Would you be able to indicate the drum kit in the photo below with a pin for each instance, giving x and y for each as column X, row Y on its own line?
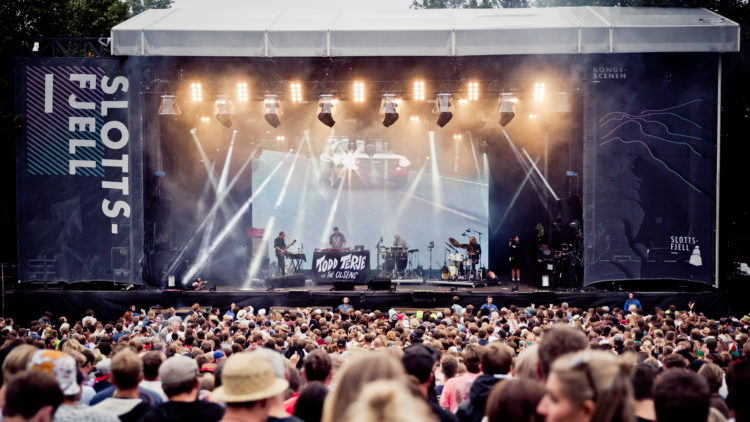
column 397, row 260
column 458, row 266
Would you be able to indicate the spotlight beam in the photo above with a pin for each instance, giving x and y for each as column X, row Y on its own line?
column 515, row 196
column 332, row 214
column 479, row 172
column 437, row 195
column 540, row 174
column 527, row 167
column 217, row 204
column 282, row 194
column 230, row 225
column 218, row 189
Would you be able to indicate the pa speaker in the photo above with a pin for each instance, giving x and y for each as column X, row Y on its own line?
column 379, row 284
column 286, row 281
column 343, row 285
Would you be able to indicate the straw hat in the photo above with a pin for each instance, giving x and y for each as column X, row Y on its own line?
column 248, row 377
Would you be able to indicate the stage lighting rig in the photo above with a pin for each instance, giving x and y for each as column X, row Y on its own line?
column 507, row 108
column 224, row 110
column 359, row 92
column 272, row 109
column 352, row 145
column 473, row 91
column 327, row 108
column 388, row 108
column 242, row 92
column 168, row 106
column 443, row 104
column 197, row 91
column 296, row 90
column 418, row 91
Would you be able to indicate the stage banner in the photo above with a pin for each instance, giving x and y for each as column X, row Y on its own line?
column 78, row 172
column 337, row 265
column 650, row 168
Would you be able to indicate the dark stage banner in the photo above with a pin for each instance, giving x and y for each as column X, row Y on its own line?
column 78, row 172
column 340, row 265
column 650, row 168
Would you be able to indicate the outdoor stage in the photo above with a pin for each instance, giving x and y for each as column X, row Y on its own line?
column 24, row 305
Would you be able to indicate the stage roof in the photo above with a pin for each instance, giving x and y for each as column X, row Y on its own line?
column 240, row 28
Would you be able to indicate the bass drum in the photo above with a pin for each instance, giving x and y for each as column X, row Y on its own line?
column 449, row 272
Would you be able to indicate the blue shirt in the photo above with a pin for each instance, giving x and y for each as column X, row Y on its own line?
column 345, row 307
column 492, row 308
column 635, row 302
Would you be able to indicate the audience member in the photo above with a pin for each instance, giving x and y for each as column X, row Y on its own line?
column 179, row 380
column 515, row 400
column 497, row 360
column 681, row 395
column 589, row 386
column 31, row 396
column 309, row 403
column 247, row 384
column 127, row 372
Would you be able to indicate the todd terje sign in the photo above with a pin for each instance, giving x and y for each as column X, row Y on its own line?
column 77, row 155
column 329, row 266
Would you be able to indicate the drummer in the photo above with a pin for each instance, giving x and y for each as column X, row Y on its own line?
column 398, row 241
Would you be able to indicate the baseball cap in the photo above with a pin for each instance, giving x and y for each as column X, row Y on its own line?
column 418, row 360
column 178, row 369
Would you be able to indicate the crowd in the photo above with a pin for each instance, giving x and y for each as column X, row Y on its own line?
column 495, row 363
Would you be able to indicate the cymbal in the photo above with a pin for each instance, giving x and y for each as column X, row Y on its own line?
column 454, row 242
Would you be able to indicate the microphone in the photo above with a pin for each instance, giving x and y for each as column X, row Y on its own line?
column 381, row 239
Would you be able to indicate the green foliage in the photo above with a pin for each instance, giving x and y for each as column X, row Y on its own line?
column 138, row 6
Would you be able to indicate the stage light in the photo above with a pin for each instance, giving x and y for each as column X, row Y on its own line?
column 168, row 106
column 280, row 138
column 370, row 147
column 197, row 90
column 388, row 108
column 414, row 119
column 359, row 92
column 224, row 110
column 296, row 90
column 457, row 137
column 242, row 93
column 473, row 91
column 352, row 145
column 533, row 116
column 561, row 102
column 463, row 101
column 539, row 91
column 326, row 110
column 507, row 105
column 419, row 91
column 443, row 104
column 205, row 119
column 272, row 109
column 483, row 147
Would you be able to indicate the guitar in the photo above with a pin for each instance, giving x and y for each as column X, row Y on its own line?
column 282, row 252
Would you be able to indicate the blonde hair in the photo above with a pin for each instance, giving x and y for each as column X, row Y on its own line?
column 361, row 370
column 387, row 401
column 17, row 360
column 601, row 377
column 526, row 363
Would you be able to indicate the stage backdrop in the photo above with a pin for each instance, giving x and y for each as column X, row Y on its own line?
column 650, row 168
column 78, row 172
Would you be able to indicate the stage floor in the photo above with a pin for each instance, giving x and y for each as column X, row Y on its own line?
column 108, row 305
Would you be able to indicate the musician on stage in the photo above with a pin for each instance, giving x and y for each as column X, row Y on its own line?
column 475, row 252
column 398, row 241
column 514, row 247
column 280, row 245
column 337, row 240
